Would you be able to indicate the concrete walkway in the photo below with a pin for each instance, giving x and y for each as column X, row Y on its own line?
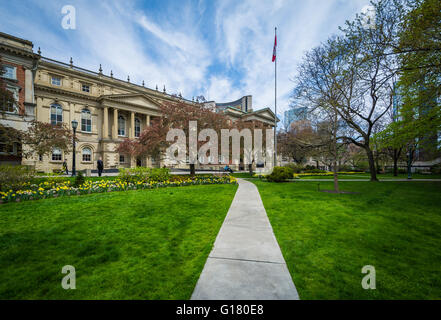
column 246, row 262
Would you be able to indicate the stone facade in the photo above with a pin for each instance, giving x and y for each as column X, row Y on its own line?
column 107, row 109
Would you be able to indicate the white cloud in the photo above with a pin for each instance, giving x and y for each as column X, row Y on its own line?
column 222, row 50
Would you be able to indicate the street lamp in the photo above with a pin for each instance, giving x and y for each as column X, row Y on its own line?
column 74, row 127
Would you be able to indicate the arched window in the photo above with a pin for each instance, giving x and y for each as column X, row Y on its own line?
column 87, row 154
column 86, row 121
column 121, row 126
column 56, row 114
column 56, row 154
column 137, row 127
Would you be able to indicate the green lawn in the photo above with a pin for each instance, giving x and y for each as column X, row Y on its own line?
column 243, row 175
column 367, row 176
column 326, row 239
column 144, row 244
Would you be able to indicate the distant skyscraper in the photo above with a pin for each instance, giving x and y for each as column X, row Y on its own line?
column 295, row 114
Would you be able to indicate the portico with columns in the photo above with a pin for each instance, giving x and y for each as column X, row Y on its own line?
column 121, row 115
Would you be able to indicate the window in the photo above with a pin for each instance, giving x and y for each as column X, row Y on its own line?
column 85, row 88
column 137, row 127
column 56, row 114
column 121, row 126
column 87, row 155
column 121, row 158
column 10, row 106
column 40, row 157
column 86, row 121
column 56, row 154
column 10, row 72
column 56, row 81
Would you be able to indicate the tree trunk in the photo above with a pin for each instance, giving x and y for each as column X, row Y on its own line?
column 336, row 188
column 192, row 170
column 395, row 162
column 371, row 160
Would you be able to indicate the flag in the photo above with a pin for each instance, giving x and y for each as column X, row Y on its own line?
column 274, row 49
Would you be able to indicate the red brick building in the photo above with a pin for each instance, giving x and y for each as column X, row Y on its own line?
column 19, row 63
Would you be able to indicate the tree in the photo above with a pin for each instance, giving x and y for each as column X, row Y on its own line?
column 41, row 138
column 298, row 142
column 353, row 75
column 419, row 85
column 175, row 115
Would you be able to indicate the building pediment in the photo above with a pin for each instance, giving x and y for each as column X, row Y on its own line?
column 263, row 114
column 137, row 100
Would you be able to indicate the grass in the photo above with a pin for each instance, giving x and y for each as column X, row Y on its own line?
column 144, row 244
column 244, row 175
column 326, row 239
column 367, row 176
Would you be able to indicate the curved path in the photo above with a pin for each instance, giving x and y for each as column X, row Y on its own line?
column 246, row 262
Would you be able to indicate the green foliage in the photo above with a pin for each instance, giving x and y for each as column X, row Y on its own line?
column 296, row 168
column 344, row 168
column 79, row 179
column 280, row 174
column 314, row 170
column 436, row 169
column 159, row 174
column 143, row 174
column 13, row 177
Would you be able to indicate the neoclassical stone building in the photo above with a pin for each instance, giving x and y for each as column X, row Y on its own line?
column 107, row 109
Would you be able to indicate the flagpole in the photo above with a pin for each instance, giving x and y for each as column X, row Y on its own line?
column 275, row 103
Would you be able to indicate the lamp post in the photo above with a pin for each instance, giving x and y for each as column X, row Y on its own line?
column 74, row 127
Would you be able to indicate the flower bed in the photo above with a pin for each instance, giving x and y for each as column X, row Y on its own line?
column 57, row 189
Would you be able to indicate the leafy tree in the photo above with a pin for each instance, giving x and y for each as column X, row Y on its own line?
column 177, row 115
column 417, row 118
column 352, row 76
column 41, row 138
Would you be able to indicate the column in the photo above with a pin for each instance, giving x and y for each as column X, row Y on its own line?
column 71, row 114
column 115, row 124
column 147, row 124
column 105, row 122
column 132, row 125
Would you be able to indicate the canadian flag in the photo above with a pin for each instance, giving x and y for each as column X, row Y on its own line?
column 274, row 49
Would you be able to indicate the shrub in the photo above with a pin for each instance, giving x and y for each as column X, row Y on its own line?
column 344, row 168
column 280, row 174
column 143, row 173
column 297, row 168
column 79, row 179
column 13, row 177
column 436, row 169
column 159, row 174
column 315, row 170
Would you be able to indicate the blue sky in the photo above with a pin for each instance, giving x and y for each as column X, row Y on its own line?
column 220, row 49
